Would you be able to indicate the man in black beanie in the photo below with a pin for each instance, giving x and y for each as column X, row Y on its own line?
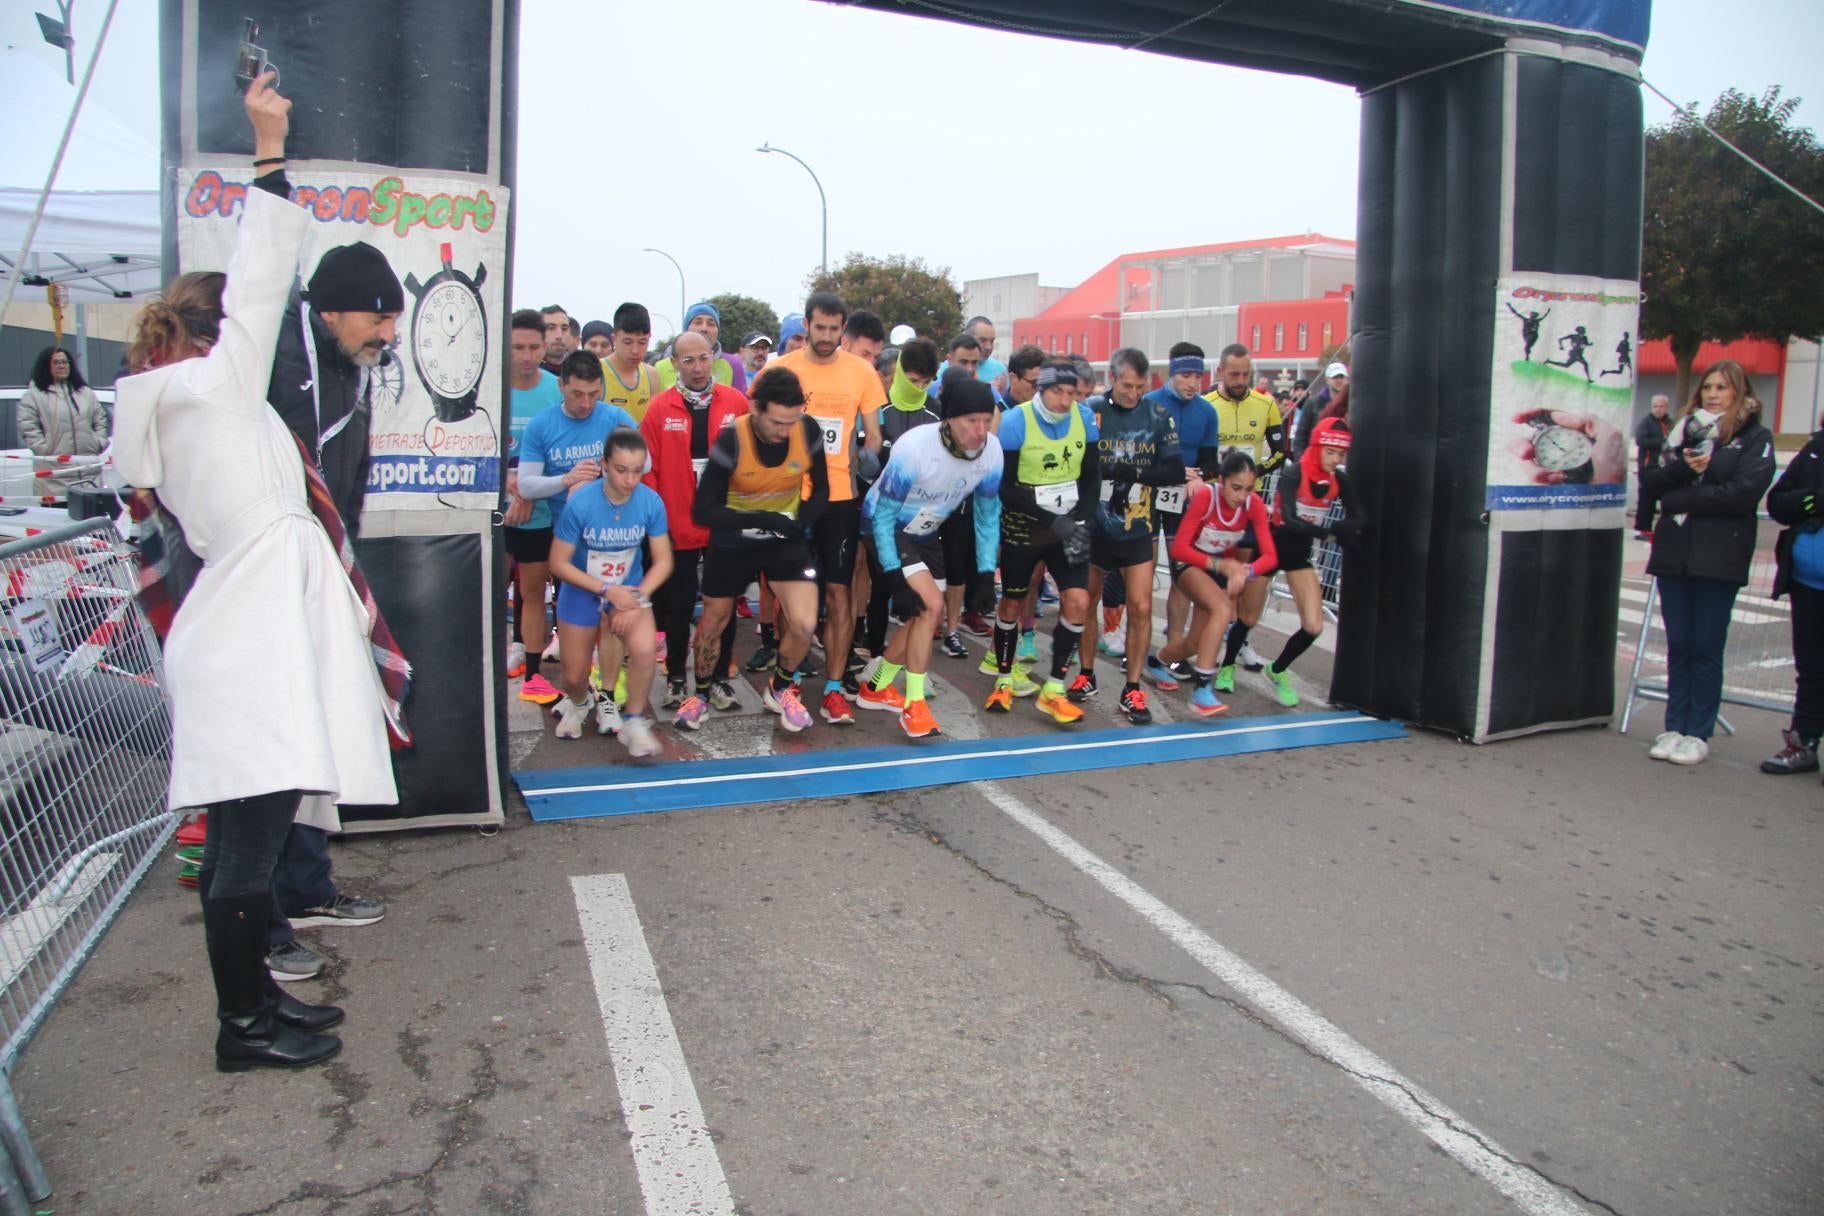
column 335, row 342
column 335, row 347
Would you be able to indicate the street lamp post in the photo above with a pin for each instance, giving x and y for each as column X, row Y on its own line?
column 820, row 195
column 678, row 268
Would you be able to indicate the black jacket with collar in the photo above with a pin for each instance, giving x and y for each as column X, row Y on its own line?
column 310, row 408
column 1707, row 523
column 1803, row 478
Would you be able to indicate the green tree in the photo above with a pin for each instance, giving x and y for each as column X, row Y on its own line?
column 900, row 290
column 1728, row 253
column 741, row 316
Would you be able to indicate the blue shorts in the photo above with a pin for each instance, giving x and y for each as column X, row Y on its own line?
column 578, row 607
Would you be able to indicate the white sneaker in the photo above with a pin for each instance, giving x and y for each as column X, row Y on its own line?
column 516, row 660
column 868, row 670
column 1248, row 659
column 637, row 737
column 570, row 718
column 549, row 654
column 608, row 719
column 1663, row 743
column 1689, row 750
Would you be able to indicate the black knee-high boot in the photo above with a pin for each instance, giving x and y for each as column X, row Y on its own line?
column 286, row 1007
column 252, row 1033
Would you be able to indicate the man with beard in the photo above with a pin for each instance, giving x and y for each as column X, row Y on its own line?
column 558, row 341
column 843, row 397
column 679, row 426
column 1247, row 421
column 331, row 354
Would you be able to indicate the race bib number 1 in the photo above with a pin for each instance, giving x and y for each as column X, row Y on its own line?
column 1170, row 499
column 612, row 567
column 1057, row 498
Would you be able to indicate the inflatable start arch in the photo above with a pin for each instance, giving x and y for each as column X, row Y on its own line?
column 1499, row 238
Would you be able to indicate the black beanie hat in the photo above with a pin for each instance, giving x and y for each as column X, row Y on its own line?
column 966, row 397
column 355, row 278
column 598, row 329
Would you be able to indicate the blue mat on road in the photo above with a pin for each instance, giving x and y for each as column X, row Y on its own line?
column 630, row 789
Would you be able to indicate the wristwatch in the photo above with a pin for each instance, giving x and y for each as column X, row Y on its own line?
column 1561, row 449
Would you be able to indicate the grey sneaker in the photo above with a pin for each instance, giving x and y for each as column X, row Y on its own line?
column 722, row 695
column 342, row 910
column 293, row 961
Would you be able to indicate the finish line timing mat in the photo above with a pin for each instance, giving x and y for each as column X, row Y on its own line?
column 633, row 789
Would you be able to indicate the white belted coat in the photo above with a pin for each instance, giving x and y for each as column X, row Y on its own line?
column 272, row 682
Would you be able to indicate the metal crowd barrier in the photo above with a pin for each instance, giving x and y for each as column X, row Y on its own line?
column 85, row 752
column 1758, row 669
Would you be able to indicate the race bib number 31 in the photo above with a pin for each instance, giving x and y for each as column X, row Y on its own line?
column 1170, row 499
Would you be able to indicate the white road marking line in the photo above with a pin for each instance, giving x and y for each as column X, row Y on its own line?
column 1445, row 1128
column 680, row 1173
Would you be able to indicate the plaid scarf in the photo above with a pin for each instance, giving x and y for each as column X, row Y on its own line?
column 167, row 569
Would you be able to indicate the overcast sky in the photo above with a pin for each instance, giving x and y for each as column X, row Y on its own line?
column 983, row 152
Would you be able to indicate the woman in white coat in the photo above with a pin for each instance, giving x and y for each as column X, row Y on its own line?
column 272, row 605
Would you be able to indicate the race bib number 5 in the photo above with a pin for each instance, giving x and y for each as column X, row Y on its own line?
column 612, row 568
column 1170, row 499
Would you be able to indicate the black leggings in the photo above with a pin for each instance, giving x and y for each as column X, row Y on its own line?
column 673, row 606
column 243, row 842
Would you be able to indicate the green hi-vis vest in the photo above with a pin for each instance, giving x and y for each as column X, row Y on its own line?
column 1045, row 461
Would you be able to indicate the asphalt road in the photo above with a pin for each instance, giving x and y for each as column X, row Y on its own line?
column 1603, row 978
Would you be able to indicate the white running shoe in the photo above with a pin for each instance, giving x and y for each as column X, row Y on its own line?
column 637, row 737
column 608, row 719
column 1663, row 744
column 1249, row 659
column 1689, row 750
column 516, row 660
column 570, row 718
column 549, row 654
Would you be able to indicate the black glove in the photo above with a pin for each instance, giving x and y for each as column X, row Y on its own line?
column 905, row 602
column 1073, row 534
column 1811, row 504
column 980, row 596
column 1348, row 532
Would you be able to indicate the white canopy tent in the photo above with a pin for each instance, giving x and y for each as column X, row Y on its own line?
column 99, row 236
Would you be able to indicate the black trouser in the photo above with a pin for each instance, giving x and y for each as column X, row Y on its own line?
column 1808, row 658
column 243, row 842
column 1648, row 505
column 673, row 606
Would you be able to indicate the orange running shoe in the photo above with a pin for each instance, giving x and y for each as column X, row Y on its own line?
column 1000, row 701
column 1057, row 707
column 916, row 719
column 888, row 699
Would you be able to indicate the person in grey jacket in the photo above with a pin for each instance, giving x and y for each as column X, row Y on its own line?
column 59, row 414
column 1649, row 442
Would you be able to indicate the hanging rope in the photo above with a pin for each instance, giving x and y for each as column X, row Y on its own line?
column 1690, row 112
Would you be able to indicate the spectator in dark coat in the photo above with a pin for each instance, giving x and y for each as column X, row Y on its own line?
column 1798, row 502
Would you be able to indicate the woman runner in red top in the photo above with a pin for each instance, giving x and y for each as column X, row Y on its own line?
column 1309, row 491
column 1216, row 521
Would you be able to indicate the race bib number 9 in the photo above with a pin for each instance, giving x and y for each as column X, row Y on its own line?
column 1056, row 498
column 612, row 568
column 832, row 435
column 1170, row 499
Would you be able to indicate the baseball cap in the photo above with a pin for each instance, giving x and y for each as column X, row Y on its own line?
column 1335, row 369
column 757, row 339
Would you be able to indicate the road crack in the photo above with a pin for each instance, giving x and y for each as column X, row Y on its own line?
column 910, row 822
